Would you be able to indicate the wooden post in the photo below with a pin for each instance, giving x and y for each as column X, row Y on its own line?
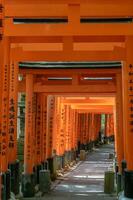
column 128, row 102
column 44, row 125
column 50, row 125
column 34, row 115
column 28, row 146
column 62, row 137
column 119, row 121
column 57, row 124
column 13, row 105
column 38, row 130
column 69, row 129
column 66, row 128
column 5, row 47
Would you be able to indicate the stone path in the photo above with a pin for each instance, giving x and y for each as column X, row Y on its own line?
column 86, row 181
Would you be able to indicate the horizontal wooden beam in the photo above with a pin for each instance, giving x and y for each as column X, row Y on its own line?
column 95, row 29
column 75, row 46
column 98, row 111
column 100, row 9
column 55, row 89
column 70, row 72
column 118, row 54
column 25, row 2
column 94, row 107
column 59, row 39
column 89, row 101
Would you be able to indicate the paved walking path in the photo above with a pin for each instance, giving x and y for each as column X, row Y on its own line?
column 86, row 181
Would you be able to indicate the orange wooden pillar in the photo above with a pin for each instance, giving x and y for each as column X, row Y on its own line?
column 40, row 138
column 76, row 129
column 13, row 105
column 98, row 126
column 38, row 129
column 44, row 126
column 69, row 129
column 12, row 126
column 62, row 134
column 5, row 54
column 128, row 102
column 66, row 128
column 92, row 128
column 57, row 126
column 88, row 128
column 34, row 114
column 28, row 176
column 28, row 146
column 73, row 128
column 119, row 121
column 50, row 126
column 107, row 125
column 82, row 129
column 4, row 112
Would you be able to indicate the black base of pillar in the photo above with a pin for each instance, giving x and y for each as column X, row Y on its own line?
column 6, row 185
column 89, row 146
column 36, row 172
column 82, row 147
column 28, row 185
column 46, row 165
column 123, row 166
column 128, row 184
column 119, row 179
column 45, row 182
column 15, row 177
column 50, row 165
column 62, row 161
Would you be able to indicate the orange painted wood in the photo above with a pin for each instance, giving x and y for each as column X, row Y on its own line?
column 70, row 72
column 58, row 2
column 38, row 130
column 96, row 29
column 29, row 138
column 119, row 121
column 50, row 126
column 13, row 105
column 127, row 81
column 34, row 113
column 100, row 9
column 44, row 125
column 53, row 39
column 62, row 133
column 5, row 102
column 57, row 125
column 66, row 128
column 118, row 53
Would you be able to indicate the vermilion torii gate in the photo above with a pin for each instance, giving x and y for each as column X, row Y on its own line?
column 62, row 31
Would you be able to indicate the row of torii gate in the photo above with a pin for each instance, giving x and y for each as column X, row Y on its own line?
column 61, row 31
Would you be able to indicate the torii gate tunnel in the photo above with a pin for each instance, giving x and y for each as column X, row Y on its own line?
column 73, row 60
